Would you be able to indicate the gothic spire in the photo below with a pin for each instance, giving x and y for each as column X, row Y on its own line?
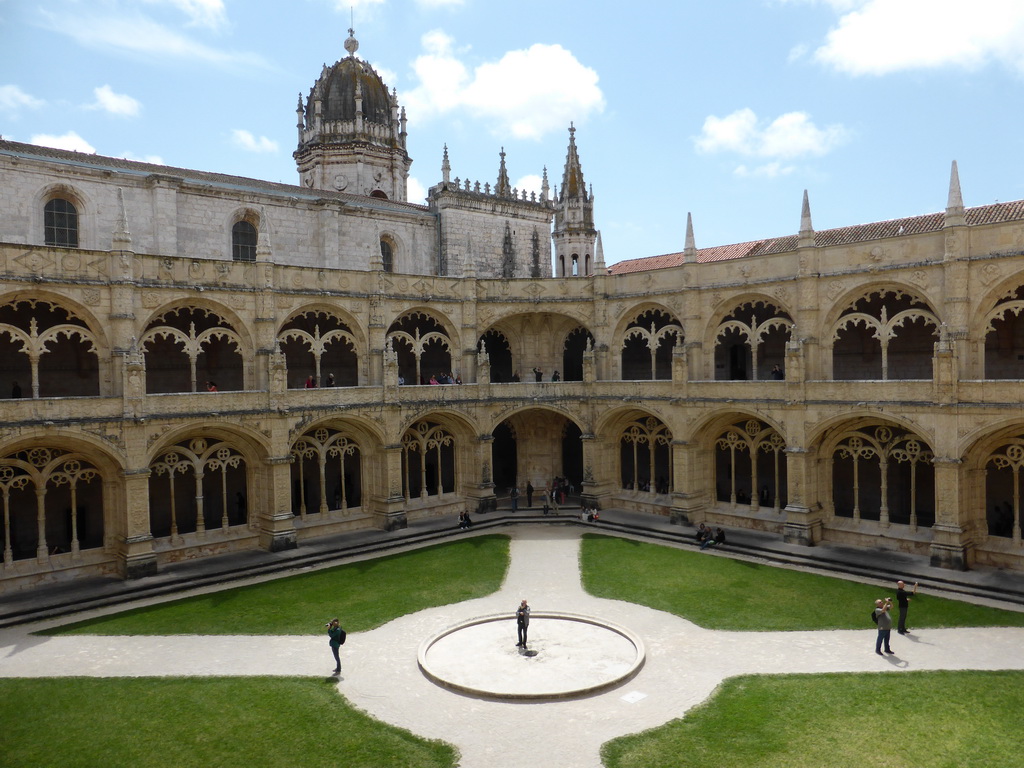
column 806, row 237
column 446, row 167
column 573, row 185
column 690, row 248
column 955, row 201
column 503, row 188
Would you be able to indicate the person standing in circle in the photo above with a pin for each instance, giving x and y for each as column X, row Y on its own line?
column 337, row 635
column 522, row 623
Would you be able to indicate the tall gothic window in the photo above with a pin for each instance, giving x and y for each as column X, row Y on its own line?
column 243, row 241
column 387, row 256
column 60, row 223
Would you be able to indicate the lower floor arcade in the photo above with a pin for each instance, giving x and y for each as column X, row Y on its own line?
column 74, row 504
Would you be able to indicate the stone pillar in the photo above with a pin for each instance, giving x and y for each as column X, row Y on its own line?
column 804, row 511
column 596, row 464
column 134, row 544
column 133, row 388
column 680, row 369
column 945, row 369
column 688, row 495
column 480, row 493
column 389, row 510
column 951, row 543
column 273, row 516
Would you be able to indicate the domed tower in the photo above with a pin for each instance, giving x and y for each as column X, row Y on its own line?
column 352, row 132
column 574, row 234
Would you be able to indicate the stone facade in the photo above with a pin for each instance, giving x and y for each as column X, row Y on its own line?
column 180, row 391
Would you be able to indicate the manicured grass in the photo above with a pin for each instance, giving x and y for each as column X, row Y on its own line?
column 207, row 722
column 722, row 593
column 907, row 720
column 363, row 595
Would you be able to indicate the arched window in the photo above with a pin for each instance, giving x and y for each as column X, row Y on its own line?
column 60, row 223
column 387, row 256
column 243, row 241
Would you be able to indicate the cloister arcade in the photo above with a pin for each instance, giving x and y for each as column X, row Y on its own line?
column 656, row 410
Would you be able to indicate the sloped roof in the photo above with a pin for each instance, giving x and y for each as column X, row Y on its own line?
column 914, row 225
column 221, row 180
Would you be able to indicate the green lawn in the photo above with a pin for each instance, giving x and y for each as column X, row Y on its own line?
column 207, row 722
column 905, row 720
column 722, row 593
column 363, row 595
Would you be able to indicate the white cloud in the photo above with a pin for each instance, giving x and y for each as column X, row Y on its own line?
column 115, row 103
column 531, row 183
column 201, row 13
column 248, row 142
column 70, row 141
column 415, row 191
column 153, row 159
column 788, row 136
column 141, row 36
column 877, row 37
column 768, row 170
column 359, row 5
column 12, row 99
column 525, row 94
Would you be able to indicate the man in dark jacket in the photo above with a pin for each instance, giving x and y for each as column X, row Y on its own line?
column 522, row 622
column 337, row 635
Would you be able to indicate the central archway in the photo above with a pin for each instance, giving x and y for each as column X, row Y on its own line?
column 537, row 447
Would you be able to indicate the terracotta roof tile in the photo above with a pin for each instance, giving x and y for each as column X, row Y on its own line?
column 914, row 225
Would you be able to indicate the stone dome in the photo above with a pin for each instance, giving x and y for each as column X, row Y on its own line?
column 336, row 89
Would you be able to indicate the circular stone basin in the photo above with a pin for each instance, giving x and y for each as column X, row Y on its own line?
column 568, row 655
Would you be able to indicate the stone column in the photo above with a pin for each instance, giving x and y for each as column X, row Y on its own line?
column 134, row 544
column 598, row 479
column 389, row 506
column 480, row 492
column 951, row 542
column 272, row 514
column 804, row 511
column 688, row 495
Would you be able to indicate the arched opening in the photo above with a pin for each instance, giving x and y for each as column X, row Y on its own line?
column 573, row 349
column 499, row 354
column 750, row 466
column 645, row 465
column 326, row 473
column 52, row 504
column 187, row 347
column 647, row 346
column 197, row 485
column 886, row 334
column 318, row 344
column 66, row 363
column 422, row 347
column 504, row 458
column 883, row 473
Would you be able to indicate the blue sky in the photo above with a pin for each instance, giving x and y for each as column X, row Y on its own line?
column 726, row 109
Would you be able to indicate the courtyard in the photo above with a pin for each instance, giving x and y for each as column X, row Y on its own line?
column 683, row 664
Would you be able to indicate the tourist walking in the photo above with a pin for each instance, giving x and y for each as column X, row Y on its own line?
column 514, row 497
column 529, row 494
column 337, row 639
column 522, row 623
column 903, row 603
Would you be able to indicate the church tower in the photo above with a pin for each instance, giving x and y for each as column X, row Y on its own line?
column 352, row 132
column 574, row 234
